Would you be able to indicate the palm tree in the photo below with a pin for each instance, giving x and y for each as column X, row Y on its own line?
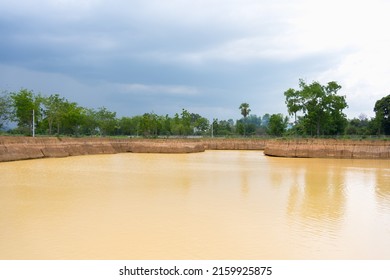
column 244, row 107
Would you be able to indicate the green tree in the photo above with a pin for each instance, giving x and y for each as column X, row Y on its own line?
column 215, row 128
column 106, row 121
column 222, row 127
column 321, row 106
column 225, row 127
column 5, row 108
column 200, row 124
column 277, row 124
column 165, row 124
column 150, row 125
column 359, row 126
column 24, row 103
column 129, row 125
column 187, row 123
column 54, row 111
column 73, row 118
column 87, row 120
column 186, row 119
column 382, row 115
column 176, row 125
column 294, row 102
column 244, row 108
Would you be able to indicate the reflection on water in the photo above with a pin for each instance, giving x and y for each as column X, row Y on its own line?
column 212, row 205
column 382, row 186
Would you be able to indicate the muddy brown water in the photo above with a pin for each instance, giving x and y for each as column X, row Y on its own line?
column 212, row 205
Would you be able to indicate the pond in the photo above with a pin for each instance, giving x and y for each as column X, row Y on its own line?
column 213, row 205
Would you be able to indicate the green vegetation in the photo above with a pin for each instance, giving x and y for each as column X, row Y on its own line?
column 321, row 106
column 244, row 107
column 317, row 110
column 5, row 108
column 54, row 115
column 382, row 115
column 323, row 116
column 277, row 125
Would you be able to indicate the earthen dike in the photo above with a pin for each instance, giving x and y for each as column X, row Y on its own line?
column 23, row 148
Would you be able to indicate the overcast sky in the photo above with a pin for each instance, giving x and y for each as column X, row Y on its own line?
column 207, row 56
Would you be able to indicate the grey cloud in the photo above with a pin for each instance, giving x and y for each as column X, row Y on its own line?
column 206, row 55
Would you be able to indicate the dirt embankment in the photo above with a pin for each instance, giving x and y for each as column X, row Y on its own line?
column 329, row 148
column 21, row 148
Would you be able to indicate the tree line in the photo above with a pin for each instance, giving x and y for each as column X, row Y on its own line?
column 55, row 115
column 315, row 109
column 318, row 111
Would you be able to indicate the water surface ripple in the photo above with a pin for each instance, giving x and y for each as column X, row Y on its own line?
column 212, row 205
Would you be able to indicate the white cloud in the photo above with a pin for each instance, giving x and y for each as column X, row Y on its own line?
column 282, row 30
column 356, row 32
column 250, row 49
column 364, row 76
column 362, row 70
